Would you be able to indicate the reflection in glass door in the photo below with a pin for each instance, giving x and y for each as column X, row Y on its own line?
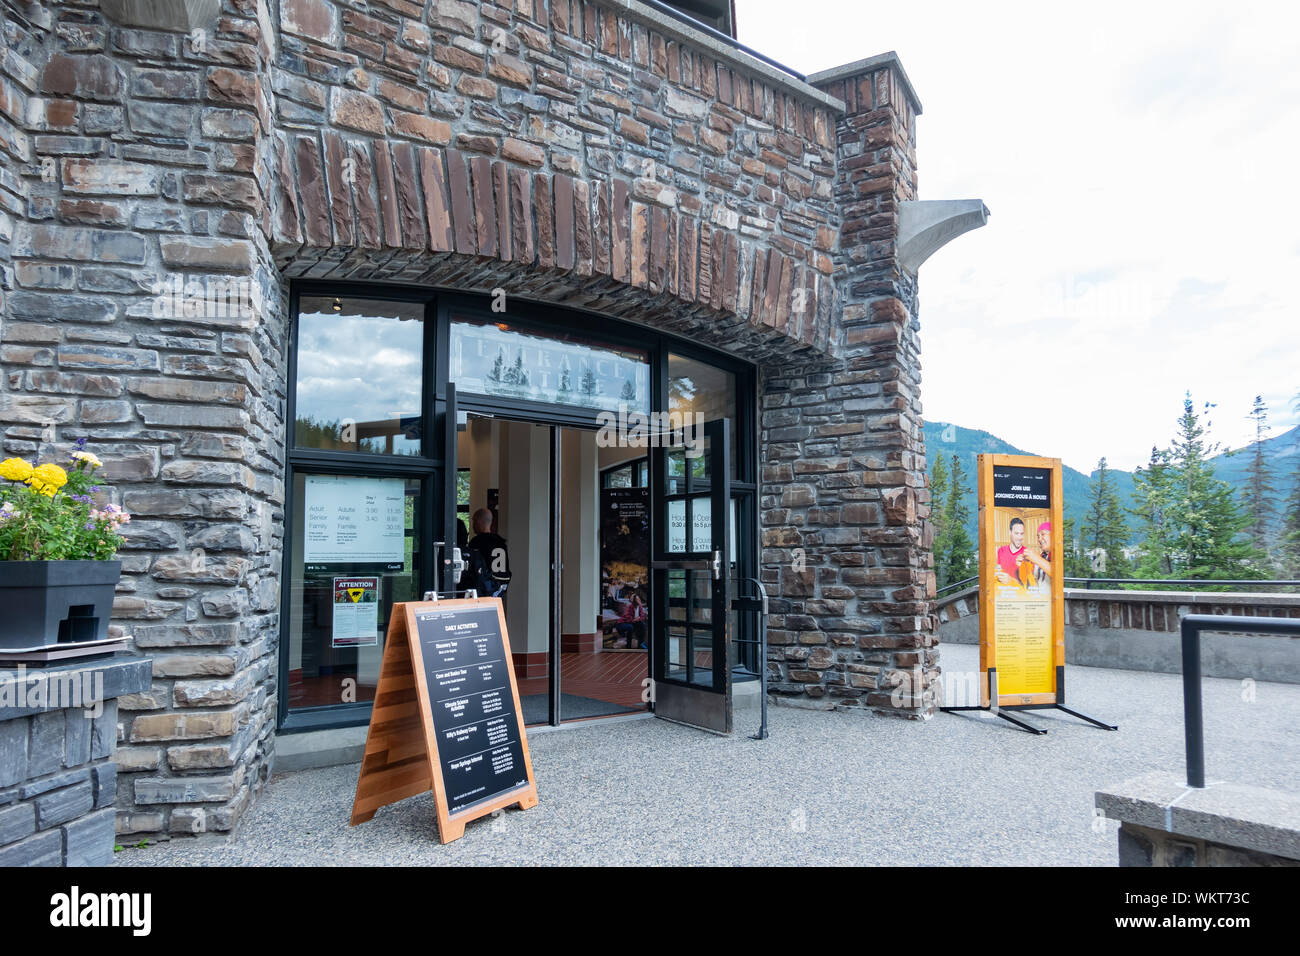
column 603, row 526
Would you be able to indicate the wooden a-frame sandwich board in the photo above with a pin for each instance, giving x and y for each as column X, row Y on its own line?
column 401, row 757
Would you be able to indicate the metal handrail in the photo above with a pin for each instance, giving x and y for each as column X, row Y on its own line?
column 1193, row 717
column 1256, row 582
column 762, row 607
column 957, row 585
column 1089, row 582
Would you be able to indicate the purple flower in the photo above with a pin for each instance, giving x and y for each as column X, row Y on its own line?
column 84, row 499
column 90, row 526
column 94, row 488
column 81, row 444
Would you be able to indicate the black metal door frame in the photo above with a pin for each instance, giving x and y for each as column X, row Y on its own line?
column 688, row 701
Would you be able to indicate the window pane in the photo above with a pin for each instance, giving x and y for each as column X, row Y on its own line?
column 619, row 477
column 498, row 359
column 708, row 392
column 702, row 644
column 360, row 375
column 355, row 554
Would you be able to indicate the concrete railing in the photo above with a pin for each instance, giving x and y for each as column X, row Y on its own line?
column 1138, row 630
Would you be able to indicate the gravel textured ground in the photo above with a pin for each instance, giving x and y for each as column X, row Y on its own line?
column 826, row 788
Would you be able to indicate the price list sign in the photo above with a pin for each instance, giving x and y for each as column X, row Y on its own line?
column 357, row 524
column 447, row 717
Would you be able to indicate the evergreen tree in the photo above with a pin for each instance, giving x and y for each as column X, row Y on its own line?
column 1105, row 532
column 628, row 394
column 566, row 377
column 1260, row 496
column 589, row 384
column 1076, row 562
column 1289, row 545
column 1194, row 522
column 516, row 375
column 938, row 505
column 960, row 557
column 498, row 367
column 1152, row 492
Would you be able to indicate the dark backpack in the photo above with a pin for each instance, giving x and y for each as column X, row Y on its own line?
column 479, row 575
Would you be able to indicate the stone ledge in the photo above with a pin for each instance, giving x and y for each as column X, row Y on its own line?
column 676, row 29
column 119, row 675
column 162, row 14
column 1229, row 814
column 870, row 65
column 319, row 748
column 1244, row 598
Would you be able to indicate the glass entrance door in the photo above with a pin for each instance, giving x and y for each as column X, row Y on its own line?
column 691, row 512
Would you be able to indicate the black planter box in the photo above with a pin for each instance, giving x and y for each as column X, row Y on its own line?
column 45, row 603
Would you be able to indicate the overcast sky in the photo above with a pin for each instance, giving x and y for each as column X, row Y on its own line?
column 1142, row 166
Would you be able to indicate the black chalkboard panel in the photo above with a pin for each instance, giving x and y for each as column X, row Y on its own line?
column 476, row 727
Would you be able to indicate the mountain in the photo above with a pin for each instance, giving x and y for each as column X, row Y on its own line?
column 1281, row 452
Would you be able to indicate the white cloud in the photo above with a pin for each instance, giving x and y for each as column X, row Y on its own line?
column 1139, row 163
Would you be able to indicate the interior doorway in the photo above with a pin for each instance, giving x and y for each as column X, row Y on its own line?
column 560, row 526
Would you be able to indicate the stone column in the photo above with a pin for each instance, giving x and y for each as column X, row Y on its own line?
column 144, row 315
column 846, row 534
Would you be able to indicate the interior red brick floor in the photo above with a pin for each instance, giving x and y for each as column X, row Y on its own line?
column 613, row 677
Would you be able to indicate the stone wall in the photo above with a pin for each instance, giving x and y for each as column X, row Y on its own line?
column 135, row 158
column 570, row 152
column 846, row 535
column 58, row 779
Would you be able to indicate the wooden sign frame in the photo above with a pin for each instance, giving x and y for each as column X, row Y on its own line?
column 401, row 755
column 988, row 582
column 991, row 697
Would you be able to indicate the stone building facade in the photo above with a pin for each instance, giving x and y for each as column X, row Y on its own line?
column 594, row 154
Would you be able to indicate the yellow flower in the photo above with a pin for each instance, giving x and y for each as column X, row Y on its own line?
column 47, row 479
column 15, row 469
column 87, row 458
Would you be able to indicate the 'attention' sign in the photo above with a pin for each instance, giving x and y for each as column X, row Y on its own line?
column 447, row 717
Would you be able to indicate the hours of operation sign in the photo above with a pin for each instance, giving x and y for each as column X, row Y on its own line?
column 354, row 521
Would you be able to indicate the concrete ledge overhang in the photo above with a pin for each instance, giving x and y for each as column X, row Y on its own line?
column 162, row 14
column 1232, row 814
column 684, row 33
column 926, row 226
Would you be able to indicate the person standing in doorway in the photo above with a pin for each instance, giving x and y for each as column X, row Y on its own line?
column 489, row 564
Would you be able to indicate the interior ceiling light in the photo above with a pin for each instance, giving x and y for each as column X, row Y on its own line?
column 338, row 304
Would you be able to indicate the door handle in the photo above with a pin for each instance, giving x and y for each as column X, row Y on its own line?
column 717, row 565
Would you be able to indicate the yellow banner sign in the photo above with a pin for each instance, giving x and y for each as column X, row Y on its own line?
column 1022, row 593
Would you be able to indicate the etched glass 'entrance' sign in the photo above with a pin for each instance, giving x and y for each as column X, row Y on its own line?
column 502, row 360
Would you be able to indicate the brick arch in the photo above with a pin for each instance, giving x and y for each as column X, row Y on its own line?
column 353, row 208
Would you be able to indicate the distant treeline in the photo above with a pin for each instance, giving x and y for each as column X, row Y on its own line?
column 1183, row 521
